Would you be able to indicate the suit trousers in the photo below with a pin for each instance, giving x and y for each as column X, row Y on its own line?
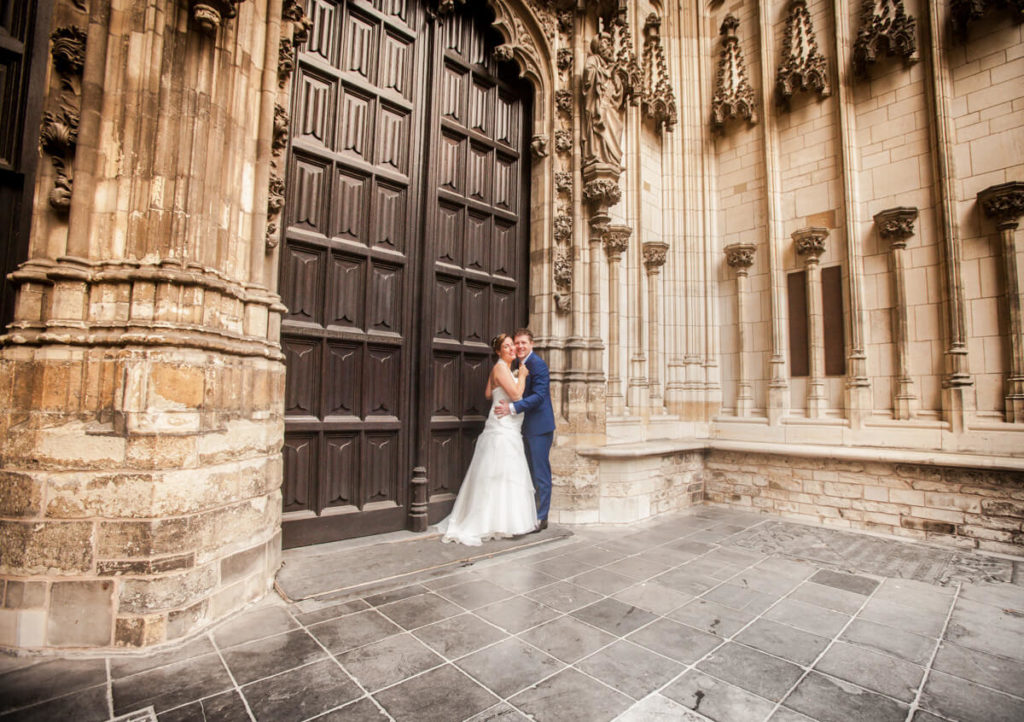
column 538, row 450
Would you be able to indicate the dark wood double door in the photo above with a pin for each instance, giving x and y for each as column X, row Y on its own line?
column 404, row 251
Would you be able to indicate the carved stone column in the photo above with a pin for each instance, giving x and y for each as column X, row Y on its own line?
column 1005, row 204
column 616, row 241
column 740, row 256
column 810, row 243
column 654, row 259
column 896, row 225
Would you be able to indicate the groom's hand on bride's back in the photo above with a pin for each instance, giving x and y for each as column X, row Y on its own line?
column 501, row 409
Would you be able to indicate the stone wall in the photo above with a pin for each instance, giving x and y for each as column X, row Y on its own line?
column 980, row 508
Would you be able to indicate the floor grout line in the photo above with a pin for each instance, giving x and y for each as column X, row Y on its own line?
column 915, row 704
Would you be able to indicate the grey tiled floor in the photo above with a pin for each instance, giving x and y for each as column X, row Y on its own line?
column 689, row 617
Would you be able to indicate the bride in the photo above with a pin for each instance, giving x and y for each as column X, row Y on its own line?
column 496, row 498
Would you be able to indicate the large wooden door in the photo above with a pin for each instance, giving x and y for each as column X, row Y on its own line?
column 402, row 227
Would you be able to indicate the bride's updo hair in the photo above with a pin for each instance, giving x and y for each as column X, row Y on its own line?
column 497, row 341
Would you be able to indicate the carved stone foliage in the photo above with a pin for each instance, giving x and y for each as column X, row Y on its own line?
column 963, row 12
column 884, row 27
column 733, row 98
column 658, row 99
column 563, row 141
column 563, row 227
column 563, row 100
column 803, row 67
column 654, row 255
column 602, row 192
column 1004, row 203
column 740, row 256
column 209, row 15
column 810, row 241
column 896, row 225
column 58, row 136
column 616, row 241
column 565, row 59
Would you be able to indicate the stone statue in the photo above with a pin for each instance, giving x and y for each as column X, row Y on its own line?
column 603, row 95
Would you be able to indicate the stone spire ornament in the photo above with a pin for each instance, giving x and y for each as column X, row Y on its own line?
column 733, row 98
column 803, row 66
column 659, row 100
column 885, row 28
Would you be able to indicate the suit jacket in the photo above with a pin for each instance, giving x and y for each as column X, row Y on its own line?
column 536, row 402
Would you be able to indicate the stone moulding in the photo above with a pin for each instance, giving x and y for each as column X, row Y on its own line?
column 963, row 12
column 659, row 100
column 803, row 67
column 733, row 98
column 209, row 15
column 58, row 136
column 885, row 27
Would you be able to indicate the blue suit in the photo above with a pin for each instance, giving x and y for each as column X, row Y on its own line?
column 538, row 429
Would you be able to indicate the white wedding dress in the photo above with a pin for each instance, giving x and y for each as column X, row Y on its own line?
column 496, row 499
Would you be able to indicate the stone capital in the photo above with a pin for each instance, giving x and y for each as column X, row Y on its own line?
column 740, row 256
column 1004, row 203
column 654, row 255
column 810, row 242
column 616, row 241
column 896, row 225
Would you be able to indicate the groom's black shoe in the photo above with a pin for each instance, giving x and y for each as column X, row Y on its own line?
column 541, row 526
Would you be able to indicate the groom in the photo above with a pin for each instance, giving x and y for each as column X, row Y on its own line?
column 538, row 422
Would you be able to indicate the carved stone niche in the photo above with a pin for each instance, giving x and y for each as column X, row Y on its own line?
column 803, row 67
column 963, row 12
column 210, row 14
column 884, row 27
column 733, row 98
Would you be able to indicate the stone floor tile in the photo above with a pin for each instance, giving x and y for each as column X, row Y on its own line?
column 712, row 617
column 388, row 661
column 440, row 695
column 872, row 670
column 33, row 683
column 733, row 556
column 717, row 534
column 784, row 714
column 332, row 611
column 396, row 595
column 993, row 629
column 559, row 568
column 300, row 693
column 692, row 546
column 783, row 641
column 567, row 638
column 639, row 568
column 272, row 655
column 856, row 583
column 564, row 596
column 614, row 617
column 919, row 621
column 998, row 595
column 915, row 594
column 362, row 710
column 602, row 581
column 85, row 705
column 509, row 666
column 714, row 569
column 503, row 712
column 656, row 708
column 905, row 645
column 571, row 696
column 788, row 568
column 523, row 577
column 653, row 597
column 667, row 555
column 631, row 544
column 964, row 701
column 828, row 597
column 830, row 700
column 717, row 700
column 476, row 593
column 765, row 581
column 354, row 630
column 264, row 621
column 450, row 580
column 1000, row 673
column 808, row 617
column 457, row 636
column 224, row 707
column 922, row 716
column 684, row 579
column 629, row 668
column 754, row 671
column 123, row 666
column 678, row 641
column 594, row 556
column 517, row 614
column 171, row 685
column 419, row 610
column 741, row 598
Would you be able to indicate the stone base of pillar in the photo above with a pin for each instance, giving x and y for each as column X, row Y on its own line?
column 958, row 406
column 744, row 404
column 778, row 402
column 904, row 402
column 858, row 403
column 1015, row 409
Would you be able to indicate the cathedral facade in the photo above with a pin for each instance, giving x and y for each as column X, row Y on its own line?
column 254, row 252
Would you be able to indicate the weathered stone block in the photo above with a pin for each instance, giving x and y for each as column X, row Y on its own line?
column 927, row 525
column 25, row 595
column 146, row 567
column 131, row 539
column 1003, row 507
column 243, row 564
column 183, row 621
column 846, row 491
column 20, row 494
column 141, row 631
column 32, row 548
column 170, row 591
column 80, row 614
column 82, row 495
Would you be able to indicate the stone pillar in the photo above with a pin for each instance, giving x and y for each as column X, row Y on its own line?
column 810, row 243
column 654, row 259
column 1005, row 204
column 141, row 380
column 740, row 256
column 616, row 241
column 896, row 225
